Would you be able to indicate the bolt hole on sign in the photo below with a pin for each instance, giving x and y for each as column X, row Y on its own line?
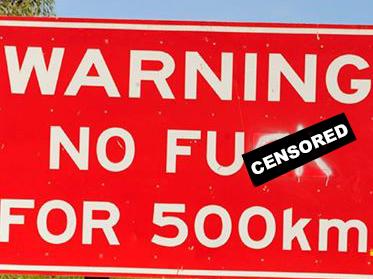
column 121, row 149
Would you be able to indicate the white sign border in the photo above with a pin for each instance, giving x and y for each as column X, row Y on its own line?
column 187, row 27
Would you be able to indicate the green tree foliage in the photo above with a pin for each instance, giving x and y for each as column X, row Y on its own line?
column 27, row 7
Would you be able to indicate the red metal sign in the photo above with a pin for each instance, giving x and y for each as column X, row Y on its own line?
column 121, row 144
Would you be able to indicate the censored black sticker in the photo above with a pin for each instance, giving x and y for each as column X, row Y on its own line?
column 279, row 157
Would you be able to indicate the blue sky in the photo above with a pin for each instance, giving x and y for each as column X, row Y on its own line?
column 301, row 11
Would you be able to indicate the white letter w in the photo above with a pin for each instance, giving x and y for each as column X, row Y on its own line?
column 19, row 76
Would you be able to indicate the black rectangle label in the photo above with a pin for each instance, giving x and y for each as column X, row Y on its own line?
column 281, row 156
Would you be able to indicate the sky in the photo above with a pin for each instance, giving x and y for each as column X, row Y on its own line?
column 291, row 11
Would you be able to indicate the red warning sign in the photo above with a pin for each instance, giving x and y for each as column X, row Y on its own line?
column 121, row 148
